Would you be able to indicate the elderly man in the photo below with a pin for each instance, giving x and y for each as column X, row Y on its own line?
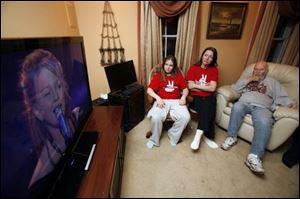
column 260, row 94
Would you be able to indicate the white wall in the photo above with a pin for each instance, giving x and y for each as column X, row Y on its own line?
column 50, row 19
column 90, row 17
column 35, row 19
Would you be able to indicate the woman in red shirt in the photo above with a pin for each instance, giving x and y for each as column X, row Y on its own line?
column 202, row 81
column 169, row 89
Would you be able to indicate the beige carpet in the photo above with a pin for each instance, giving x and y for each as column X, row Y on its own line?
column 168, row 171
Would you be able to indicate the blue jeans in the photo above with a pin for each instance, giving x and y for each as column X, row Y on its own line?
column 262, row 123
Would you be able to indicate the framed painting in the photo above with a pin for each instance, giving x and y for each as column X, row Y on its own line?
column 226, row 20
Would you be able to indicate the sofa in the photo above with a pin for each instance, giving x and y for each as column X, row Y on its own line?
column 286, row 119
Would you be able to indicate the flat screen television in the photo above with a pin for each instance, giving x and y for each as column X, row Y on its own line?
column 120, row 75
column 45, row 102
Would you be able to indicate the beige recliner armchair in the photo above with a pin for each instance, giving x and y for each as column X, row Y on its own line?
column 286, row 119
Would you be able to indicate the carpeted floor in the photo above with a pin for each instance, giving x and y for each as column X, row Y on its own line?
column 168, row 171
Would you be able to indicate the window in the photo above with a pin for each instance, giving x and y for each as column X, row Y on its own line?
column 169, row 35
column 280, row 40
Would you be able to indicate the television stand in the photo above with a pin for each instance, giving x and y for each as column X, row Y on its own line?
column 132, row 99
column 129, row 89
column 77, row 165
column 104, row 177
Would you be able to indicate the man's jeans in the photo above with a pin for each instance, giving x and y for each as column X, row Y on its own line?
column 262, row 123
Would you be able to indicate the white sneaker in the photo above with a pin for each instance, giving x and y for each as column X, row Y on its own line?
column 255, row 164
column 196, row 142
column 228, row 143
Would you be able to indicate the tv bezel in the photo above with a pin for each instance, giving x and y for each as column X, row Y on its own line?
column 9, row 45
column 109, row 70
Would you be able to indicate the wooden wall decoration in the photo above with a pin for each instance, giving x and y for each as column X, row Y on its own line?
column 111, row 50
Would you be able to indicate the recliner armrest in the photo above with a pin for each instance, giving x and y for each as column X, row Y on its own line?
column 150, row 99
column 284, row 112
column 189, row 99
column 229, row 94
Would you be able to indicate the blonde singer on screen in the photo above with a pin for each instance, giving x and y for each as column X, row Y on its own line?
column 45, row 96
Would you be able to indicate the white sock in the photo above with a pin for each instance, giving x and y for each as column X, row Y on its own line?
column 196, row 142
column 211, row 143
column 150, row 144
column 172, row 143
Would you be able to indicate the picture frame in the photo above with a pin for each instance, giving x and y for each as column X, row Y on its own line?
column 226, row 20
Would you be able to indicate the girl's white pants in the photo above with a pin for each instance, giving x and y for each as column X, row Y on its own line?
column 179, row 114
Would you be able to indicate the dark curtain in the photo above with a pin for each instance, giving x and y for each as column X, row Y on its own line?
column 289, row 9
column 169, row 8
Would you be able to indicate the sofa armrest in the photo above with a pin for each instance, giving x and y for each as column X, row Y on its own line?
column 229, row 94
column 225, row 94
column 283, row 112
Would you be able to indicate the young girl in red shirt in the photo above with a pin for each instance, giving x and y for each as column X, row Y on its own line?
column 169, row 89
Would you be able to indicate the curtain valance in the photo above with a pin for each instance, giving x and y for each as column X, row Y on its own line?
column 169, row 8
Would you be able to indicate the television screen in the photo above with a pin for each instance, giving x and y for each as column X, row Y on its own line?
column 120, row 75
column 45, row 102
